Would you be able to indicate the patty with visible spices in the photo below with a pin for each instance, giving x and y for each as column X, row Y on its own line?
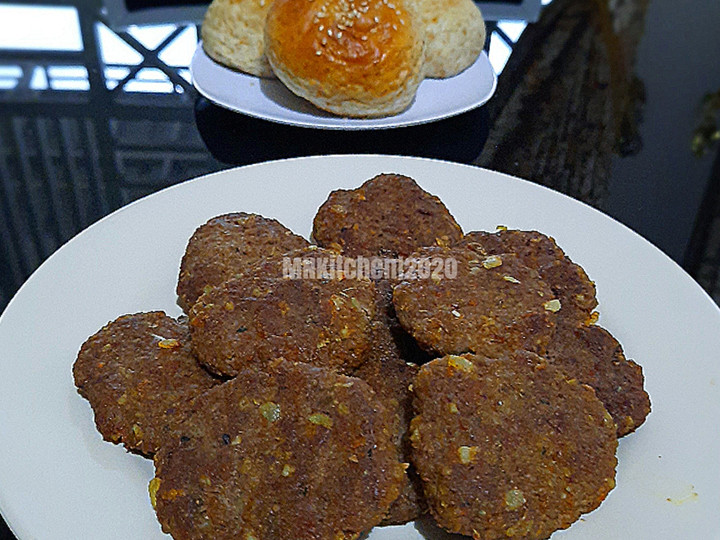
column 390, row 376
column 311, row 262
column 568, row 280
column 388, row 216
column 493, row 305
column 292, row 452
column 509, row 448
column 247, row 322
column 140, row 378
column 594, row 357
column 227, row 245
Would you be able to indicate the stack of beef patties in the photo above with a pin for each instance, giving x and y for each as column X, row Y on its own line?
column 321, row 405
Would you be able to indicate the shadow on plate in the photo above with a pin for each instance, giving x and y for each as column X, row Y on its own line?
column 238, row 139
column 427, row 527
column 276, row 91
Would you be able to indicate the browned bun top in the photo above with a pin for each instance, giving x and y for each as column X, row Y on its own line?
column 361, row 50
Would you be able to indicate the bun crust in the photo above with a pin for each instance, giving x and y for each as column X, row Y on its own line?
column 232, row 35
column 359, row 58
column 454, row 33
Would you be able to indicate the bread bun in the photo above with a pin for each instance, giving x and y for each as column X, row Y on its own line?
column 232, row 35
column 357, row 58
column 454, row 35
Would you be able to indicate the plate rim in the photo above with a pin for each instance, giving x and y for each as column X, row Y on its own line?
column 339, row 123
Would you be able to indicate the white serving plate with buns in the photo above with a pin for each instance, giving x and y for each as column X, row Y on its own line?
column 269, row 99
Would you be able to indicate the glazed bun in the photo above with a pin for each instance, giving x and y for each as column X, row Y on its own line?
column 232, row 35
column 357, row 58
column 454, row 34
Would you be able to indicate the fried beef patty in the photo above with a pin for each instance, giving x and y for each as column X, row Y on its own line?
column 250, row 321
column 389, row 216
column 495, row 304
column 568, row 281
column 594, row 357
column 509, row 448
column 140, row 378
column 293, row 452
column 227, row 245
column 390, row 376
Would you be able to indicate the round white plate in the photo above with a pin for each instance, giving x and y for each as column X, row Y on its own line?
column 59, row 480
column 269, row 99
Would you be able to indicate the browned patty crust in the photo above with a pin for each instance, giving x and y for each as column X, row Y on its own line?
column 311, row 262
column 390, row 376
column 568, row 281
column 509, row 448
column 403, row 344
column 227, row 245
column 388, row 216
column 594, row 357
column 494, row 305
column 296, row 452
column 140, row 378
column 250, row 321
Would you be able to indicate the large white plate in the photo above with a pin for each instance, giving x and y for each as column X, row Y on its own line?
column 269, row 99
column 59, row 480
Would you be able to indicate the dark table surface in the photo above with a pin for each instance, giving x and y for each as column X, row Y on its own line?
column 613, row 103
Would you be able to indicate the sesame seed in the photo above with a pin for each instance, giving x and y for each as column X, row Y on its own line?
column 321, row 27
column 330, row 32
column 376, row 19
column 339, row 35
column 318, row 53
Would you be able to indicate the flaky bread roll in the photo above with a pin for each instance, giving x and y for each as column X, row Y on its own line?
column 454, row 35
column 232, row 35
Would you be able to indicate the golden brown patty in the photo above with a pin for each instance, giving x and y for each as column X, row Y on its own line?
column 568, row 281
column 311, row 262
column 140, row 378
column 298, row 452
column 250, row 321
column 509, row 448
column 594, row 357
column 389, row 216
column 494, row 305
column 227, row 245
column 390, row 376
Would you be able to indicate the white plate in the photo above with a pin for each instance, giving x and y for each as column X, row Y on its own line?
column 59, row 480
column 269, row 99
